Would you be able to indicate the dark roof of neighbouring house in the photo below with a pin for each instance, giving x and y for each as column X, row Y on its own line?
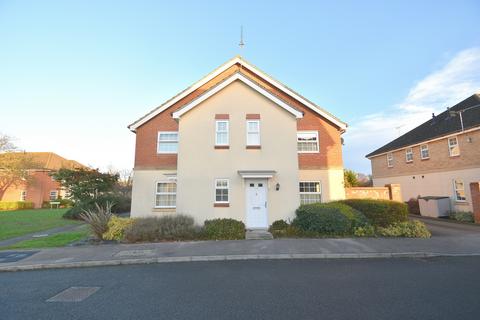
column 438, row 126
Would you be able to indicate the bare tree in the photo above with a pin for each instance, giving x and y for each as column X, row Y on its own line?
column 6, row 143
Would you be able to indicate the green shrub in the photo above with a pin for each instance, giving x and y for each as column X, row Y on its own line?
column 365, row 231
column 166, row 228
column 357, row 218
column 278, row 225
column 463, row 216
column 413, row 206
column 98, row 219
column 15, row 205
column 323, row 219
column 409, row 229
column 224, row 229
column 380, row 212
column 120, row 204
column 116, row 228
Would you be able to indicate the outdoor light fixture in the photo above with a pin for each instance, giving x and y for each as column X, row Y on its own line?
column 277, row 186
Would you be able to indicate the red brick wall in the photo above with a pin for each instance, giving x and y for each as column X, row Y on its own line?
column 475, row 192
column 330, row 155
column 389, row 192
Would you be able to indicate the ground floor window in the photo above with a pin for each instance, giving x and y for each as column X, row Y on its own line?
column 166, row 195
column 23, row 195
column 310, row 192
column 53, row 195
column 221, row 190
column 459, row 190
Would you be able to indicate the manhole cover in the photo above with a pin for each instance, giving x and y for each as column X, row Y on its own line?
column 14, row 256
column 134, row 253
column 74, row 294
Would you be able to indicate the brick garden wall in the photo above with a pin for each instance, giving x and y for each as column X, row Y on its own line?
column 389, row 192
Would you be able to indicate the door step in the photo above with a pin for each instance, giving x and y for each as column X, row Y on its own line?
column 258, row 235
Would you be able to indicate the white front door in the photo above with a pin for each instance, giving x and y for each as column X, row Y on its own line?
column 256, row 203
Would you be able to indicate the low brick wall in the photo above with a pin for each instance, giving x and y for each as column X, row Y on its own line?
column 389, row 192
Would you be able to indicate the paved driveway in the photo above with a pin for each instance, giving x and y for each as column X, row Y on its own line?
column 442, row 228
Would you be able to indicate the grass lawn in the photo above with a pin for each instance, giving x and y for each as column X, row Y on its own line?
column 56, row 240
column 20, row 222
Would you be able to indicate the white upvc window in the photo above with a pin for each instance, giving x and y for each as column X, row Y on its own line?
column 453, row 147
column 221, row 190
column 166, row 195
column 424, row 153
column 310, row 192
column 409, row 155
column 221, row 133
column 253, row 132
column 307, row 141
column 53, row 195
column 23, row 195
column 167, row 142
column 390, row 160
column 459, row 188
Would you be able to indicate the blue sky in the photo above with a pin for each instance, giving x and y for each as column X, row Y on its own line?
column 74, row 74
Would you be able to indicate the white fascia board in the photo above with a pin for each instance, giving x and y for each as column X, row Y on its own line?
column 234, row 77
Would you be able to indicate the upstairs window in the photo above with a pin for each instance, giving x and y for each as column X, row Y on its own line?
column 53, row 195
column 409, row 155
column 167, row 142
column 310, row 192
column 390, row 160
column 23, row 195
column 253, row 132
column 221, row 133
column 166, row 195
column 307, row 141
column 424, row 154
column 221, row 190
column 459, row 190
column 453, row 148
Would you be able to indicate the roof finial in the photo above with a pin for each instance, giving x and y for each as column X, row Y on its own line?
column 241, row 44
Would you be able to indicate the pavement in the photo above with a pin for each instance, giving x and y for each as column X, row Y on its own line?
column 448, row 239
column 436, row 288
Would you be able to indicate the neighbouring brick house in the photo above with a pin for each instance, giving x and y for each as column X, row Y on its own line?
column 236, row 144
column 441, row 157
column 42, row 188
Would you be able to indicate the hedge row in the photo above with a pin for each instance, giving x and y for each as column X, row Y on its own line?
column 15, row 205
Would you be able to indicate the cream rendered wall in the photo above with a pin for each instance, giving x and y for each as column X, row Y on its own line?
column 199, row 164
column 434, row 184
column 331, row 180
column 143, row 193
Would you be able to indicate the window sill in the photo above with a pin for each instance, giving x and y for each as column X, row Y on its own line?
column 409, row 162
column 454, row 156
column 461, row 203
column 424, row 159
column 253, row 147
column 222, row 147
column 221, row 205
column 307, row 152
column 163, row 209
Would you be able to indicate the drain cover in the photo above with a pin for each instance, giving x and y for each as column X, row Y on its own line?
column 134, row 253
column 14, row 256
column 74, row 294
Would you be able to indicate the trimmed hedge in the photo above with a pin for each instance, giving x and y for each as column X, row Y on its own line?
column 224, row 229
column 327, row 219
column 166, row 228
column 380, row 213
column 15, row 205
column 408, row 229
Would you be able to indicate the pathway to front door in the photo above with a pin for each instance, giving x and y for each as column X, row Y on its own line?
column 256, row 203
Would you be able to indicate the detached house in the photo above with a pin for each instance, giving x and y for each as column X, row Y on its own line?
column 236, row 144
column 441, row 157
column 42, row 188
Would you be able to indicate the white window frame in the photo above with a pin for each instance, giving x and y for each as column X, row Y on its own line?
column 251, row 132
column 316, row 136
column 224, row 131
column 23, row 195
column 455, row 190
column 166, row 142
column 408, row 152
column 451, row 147
column 56, row 195
column 165, row 193
column 308, row 192
column 390, row 159
column 222, row 188
column 422, row 148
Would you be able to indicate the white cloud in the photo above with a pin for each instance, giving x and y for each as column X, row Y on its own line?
column 455, row 81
